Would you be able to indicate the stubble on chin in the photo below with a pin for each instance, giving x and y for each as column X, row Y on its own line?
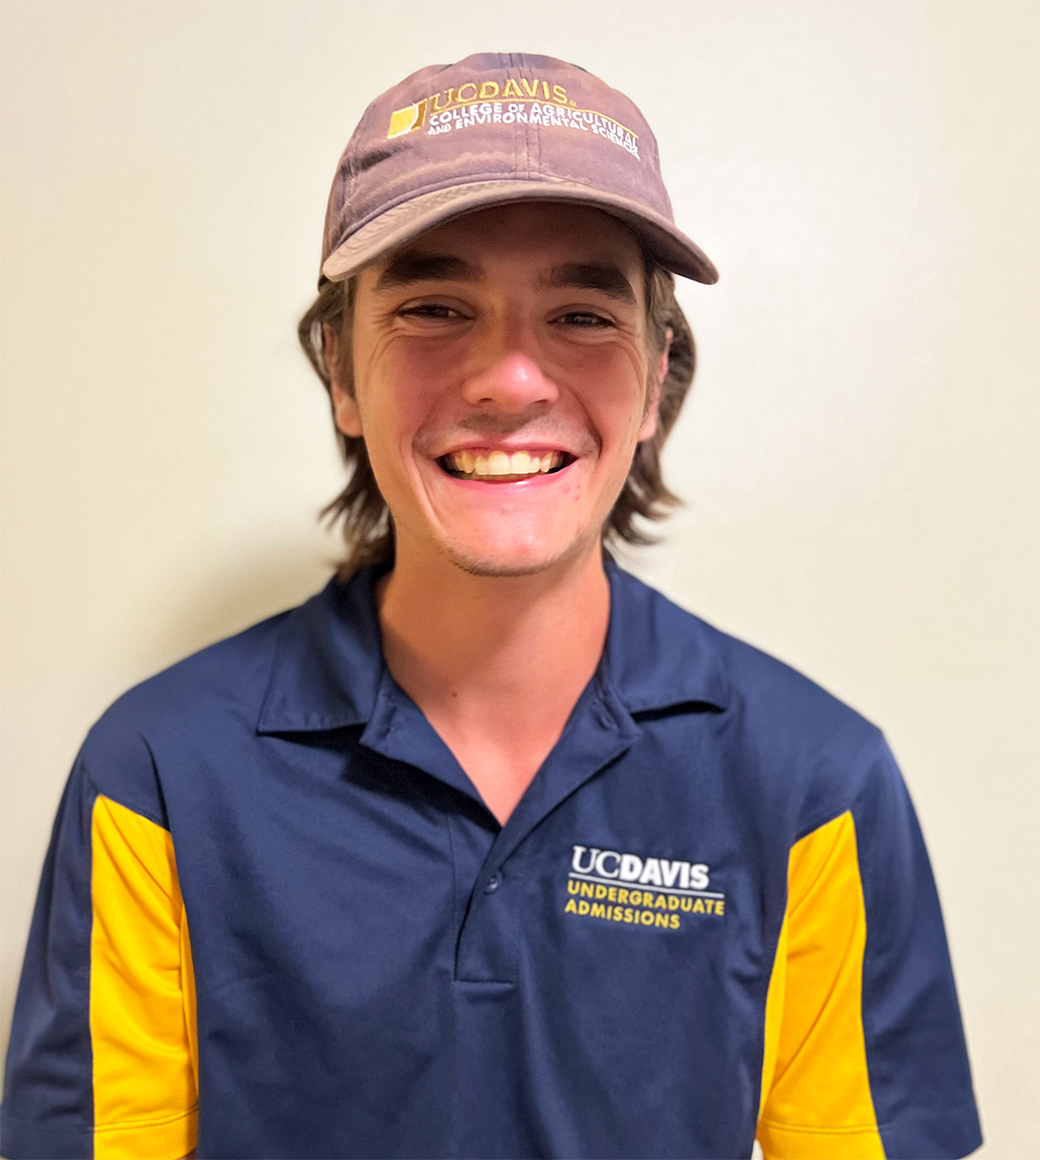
column 490, row 566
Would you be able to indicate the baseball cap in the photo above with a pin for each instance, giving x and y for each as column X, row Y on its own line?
column 491, row 129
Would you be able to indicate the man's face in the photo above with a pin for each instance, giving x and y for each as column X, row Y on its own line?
column 501, row 383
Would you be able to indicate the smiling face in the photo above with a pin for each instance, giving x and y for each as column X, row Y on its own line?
column 501, row 383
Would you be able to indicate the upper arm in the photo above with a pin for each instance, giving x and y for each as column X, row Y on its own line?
column 142, row 1016
column 102, row 1055
column 864, row 1051
column 816, row 1097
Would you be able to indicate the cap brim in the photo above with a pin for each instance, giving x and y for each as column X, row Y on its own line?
column 399, row 224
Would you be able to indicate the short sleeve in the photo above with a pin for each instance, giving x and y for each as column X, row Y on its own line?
column 864, row 1052
column 101, row 1060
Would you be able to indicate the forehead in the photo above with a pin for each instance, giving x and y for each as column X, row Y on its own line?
column 537, row 235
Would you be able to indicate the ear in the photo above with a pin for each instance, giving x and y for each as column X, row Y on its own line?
column 653, row 401
column 344, row 405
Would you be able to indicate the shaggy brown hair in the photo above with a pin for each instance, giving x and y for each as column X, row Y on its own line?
column 367, row 526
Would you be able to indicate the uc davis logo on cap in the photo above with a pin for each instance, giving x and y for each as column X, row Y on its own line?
column 407, row 120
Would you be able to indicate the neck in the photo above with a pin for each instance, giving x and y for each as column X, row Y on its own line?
column 495, row 663
column 483, row 632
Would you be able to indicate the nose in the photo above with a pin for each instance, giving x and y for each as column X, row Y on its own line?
column 510, row 381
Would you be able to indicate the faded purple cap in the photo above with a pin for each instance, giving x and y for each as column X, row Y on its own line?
column 497, row 128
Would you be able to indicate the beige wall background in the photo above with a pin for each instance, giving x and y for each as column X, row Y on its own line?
column 859, row 456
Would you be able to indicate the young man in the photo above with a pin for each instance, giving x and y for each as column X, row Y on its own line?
column 488, row 849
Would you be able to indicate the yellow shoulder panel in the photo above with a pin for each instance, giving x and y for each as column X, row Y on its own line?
column 142, row 995
column 816, row 1101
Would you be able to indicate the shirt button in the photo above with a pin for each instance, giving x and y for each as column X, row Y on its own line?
column 492, row 884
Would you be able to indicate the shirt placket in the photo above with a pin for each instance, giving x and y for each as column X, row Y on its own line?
column 488, row 881
column 599, row 732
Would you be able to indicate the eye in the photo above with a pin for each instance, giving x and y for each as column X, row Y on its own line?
column 584, row 318
column 432, row 311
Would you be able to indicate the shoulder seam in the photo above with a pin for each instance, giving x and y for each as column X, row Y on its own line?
column 829, row 816
column 818, row 825
column 147, row 814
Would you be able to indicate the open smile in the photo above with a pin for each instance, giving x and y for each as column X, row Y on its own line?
column 503, row 466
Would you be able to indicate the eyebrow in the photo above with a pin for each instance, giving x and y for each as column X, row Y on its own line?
column 592, row 276
column 412, row 267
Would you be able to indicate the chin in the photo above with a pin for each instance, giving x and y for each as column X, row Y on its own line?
column 500, row 568
column 510, row 560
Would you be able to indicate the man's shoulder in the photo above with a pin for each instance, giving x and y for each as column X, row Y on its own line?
column 203, row 702
column 228, row 673
column 737, row 674
column 769, row 688
column 777, row 721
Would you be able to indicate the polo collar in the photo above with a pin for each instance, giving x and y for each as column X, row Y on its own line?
column 328, row 661
column 659, row 656
column 328, row 667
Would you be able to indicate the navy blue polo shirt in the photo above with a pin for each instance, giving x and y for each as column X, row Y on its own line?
column 276, row 912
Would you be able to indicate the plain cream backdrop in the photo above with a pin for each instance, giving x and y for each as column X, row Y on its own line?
column 858, row 456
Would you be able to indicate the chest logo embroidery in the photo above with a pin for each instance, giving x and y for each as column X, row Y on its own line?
column 640, row 891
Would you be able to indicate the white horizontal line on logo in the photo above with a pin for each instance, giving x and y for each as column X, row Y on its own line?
column 645, row 886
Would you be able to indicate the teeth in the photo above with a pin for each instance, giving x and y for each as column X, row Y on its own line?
column 501, row 463
column 497, row 464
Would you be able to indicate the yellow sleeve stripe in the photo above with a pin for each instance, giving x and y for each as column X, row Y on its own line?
column 816, row 1099
column 783, row 1143
column 142, row 1019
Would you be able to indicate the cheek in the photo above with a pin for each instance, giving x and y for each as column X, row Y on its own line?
column 615, row 397
column 397, row 396
column 381, row 376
